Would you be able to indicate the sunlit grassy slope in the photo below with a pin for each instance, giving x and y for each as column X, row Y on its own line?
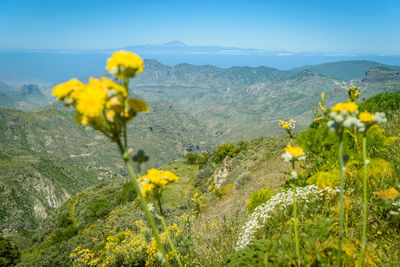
column 108, row 208
column 53, row 158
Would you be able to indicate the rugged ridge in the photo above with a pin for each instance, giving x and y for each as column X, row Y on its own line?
column 45, row 157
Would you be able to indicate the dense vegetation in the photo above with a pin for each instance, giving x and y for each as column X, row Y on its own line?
column 206, row 212
column 233, row 205
column 54, row 158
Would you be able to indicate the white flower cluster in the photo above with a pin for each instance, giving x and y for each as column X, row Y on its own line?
column 345, row 119
column 290, row 125
column 396, row 205
column 379, row 117
column 287, row 157
column 280, row 203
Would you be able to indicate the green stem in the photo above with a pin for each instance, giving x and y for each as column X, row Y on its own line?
column 364, row 226
column 159, row 204
column 126, row 84
column 341, row 202
column 142, row 201
column 146, row 211
column 296, row 239
column 170, row 241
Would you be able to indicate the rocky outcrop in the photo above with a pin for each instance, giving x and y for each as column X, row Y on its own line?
column 221, row 173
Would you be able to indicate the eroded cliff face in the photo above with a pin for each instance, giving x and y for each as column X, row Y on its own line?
column 29, row 194
column 46, row 197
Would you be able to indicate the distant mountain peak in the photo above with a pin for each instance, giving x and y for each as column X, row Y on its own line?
column 174, row 43
column 29, row 90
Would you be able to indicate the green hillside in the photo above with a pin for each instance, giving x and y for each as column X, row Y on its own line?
column 244, row 102
column 54, row 158
column 100, row 219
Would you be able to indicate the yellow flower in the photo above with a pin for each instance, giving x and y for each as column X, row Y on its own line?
column 350, row 107
column 92, row 99
column 389, row 194
column 63, row 90
column 110, row 115
column 110, row 85
column 366, row 116
column 115, row 104
column 295, row 151
column 147, row 188
column 138, row 105
column 319, row 118
column 170, row 176
column 159, row 178
column 124, row 64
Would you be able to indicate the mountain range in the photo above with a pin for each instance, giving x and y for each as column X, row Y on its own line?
column 245, row 102
column 60, row 65
column 46, row 157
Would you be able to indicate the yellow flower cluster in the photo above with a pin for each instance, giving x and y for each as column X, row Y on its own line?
column 287, row 125
column 350, row 107
column 127, row 248
column 295, row 151
column 284, row 125
column 156, row 179
column 354, row 93
column 103, row 103
column 389, row 194
column 84, row 257
column 124, row 65
column 366, row 116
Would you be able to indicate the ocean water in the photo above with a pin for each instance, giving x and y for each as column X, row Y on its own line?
column 59, row 66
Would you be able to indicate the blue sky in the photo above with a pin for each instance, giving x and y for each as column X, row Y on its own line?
column 319, row 26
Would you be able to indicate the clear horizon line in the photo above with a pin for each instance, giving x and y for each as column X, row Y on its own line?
column 253, row 51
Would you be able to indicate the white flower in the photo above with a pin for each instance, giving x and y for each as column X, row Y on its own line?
column 345, row 119
column 292, row 123
column 280, row 202
column 294, row 174
column 287, row 157
column 379, row 117
column 331, row 125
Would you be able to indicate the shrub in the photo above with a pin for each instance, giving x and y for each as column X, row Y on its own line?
column 192, row 158
column 9, row 254
column 259, row 197
column 224, row 190
column 324, row 179
column 241, row 180
column 227, row 149
column 127, row 194
column 201, row 177
column 64, row 234
column 317, row 242
column 99, row 209
column 64, row 220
